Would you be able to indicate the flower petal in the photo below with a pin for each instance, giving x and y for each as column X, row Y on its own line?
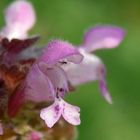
column 103, row 87
column 57, row 76
column 38, row 86
column 90, row 69
column 103, row 37
column 58, row 50
column 12, row 33
column 71, row 113
column 87, row 70
column 20, row 17
column 21, row 13
column 52, row 113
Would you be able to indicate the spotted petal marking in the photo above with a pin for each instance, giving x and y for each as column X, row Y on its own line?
column 53, row 113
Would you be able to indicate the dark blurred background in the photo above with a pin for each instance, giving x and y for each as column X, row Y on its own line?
column 68, row 19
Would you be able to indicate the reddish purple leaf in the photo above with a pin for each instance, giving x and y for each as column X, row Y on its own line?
column 17, row 45
column 16, row 101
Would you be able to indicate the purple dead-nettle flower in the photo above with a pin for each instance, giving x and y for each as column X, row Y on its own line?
column 19, row 18
column 92, row 68
column 47, row 81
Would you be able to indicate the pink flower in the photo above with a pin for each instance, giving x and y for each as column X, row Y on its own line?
column 92, row 68
column 47, row 81
column 19, row 18
column 51, row 80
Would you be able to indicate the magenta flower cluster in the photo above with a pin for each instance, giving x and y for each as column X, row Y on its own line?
column 59, row 66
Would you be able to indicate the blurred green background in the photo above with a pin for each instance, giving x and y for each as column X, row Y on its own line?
column 68, row 19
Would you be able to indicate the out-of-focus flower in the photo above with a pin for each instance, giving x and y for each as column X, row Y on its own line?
column 20, row 18
column 47, row 81
column 92, row 68
column 35, row 136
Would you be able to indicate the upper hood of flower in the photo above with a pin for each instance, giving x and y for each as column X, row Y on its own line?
column 57, row 51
